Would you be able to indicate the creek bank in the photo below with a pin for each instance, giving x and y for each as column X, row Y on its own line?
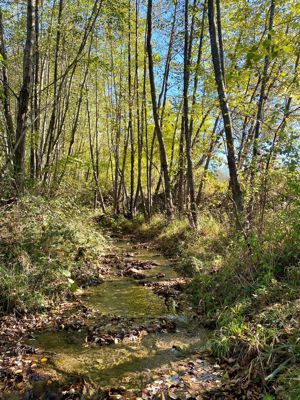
column 245, row 376
column 141, row 329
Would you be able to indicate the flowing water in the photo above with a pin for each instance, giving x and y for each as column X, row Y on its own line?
column 126, row 363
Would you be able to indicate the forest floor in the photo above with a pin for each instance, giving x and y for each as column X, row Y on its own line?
column 29, row 372
column 151, row 311
column 167, row 358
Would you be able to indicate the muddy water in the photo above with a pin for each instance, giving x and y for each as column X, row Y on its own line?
column 127, row 363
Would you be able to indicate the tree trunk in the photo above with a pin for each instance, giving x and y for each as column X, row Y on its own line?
column 6, row 96
column 23, row 101
column 186, row 73
column 234, row 180
column 130, row 122
column 260, row 117
column 260, row 108
column 35, row 112
column 140, row 120
column 213, row 142
column 163, row 155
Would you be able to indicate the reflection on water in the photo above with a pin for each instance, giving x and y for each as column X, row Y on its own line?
column 124, row 297
column 113, row 364
column 122, row 362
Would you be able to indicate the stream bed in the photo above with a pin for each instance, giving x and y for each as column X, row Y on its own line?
column 130, row 362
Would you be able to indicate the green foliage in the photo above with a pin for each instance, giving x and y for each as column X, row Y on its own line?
column 16, row 290
column 289, row 388
column 120, row 224
column 153, row 228
column 191, row 266
column 48, row 248
column 254, row 298
column 39, row 251
column 174, row 238
column 251, row 289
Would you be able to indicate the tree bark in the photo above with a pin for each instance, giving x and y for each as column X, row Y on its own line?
column 6, row 95
column 130, row 117
column 139, row 119
column 186, row 73
column 35, row 112
column 23, row 102
column 215, row 51
column 162, row 149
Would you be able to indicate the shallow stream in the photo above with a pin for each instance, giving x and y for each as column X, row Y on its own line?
column 128, row 363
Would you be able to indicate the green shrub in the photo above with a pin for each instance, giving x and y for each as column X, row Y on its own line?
column 191, row 266
column 150, row 230
column 39, row 245
column 175, row 237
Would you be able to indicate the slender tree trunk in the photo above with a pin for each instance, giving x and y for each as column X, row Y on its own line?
column 174, row 138
column 36, row 118
column 50, row 133
column 117, row 142
column 234, row 180
column 260, row 108
column 145, row 128
column 181, row 174
column 220, row 39
column 130, row 118
column 6, row 95
column 197, row 71
column 23, row 102
column 75, row 124
column 260, row 116
column 163, row 154
column 162, row 97
column 213, row 142
column 186, row 73
column 140, row 121
column 93, row 160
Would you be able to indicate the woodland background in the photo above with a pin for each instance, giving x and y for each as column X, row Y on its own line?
column 176, row 120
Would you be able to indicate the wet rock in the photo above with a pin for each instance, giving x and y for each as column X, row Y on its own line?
column 129, row 255
column 182, row 380
column 134, row 273
column 167, row 288
column 122, row 330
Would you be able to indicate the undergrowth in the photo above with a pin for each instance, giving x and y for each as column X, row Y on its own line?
column 250, row 290
column 46, row 248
